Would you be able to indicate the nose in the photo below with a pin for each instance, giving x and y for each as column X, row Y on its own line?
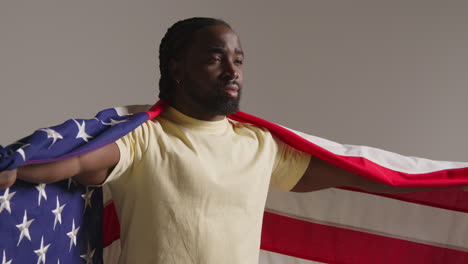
column 231, row 71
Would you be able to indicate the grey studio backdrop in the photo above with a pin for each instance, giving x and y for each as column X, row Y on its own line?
column 388, row 74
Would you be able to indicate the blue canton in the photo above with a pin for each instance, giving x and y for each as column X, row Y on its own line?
column 59, row 222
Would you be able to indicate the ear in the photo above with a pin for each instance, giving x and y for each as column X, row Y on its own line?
column 175, row 69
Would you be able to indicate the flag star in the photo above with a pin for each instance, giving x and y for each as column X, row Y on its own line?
column 41, row 252
column 58, row 213
column 5, row 200
column 87, row 197
column 24, row 228
column 72, row 234
column 82, row 131
column 114, row 122
column 88, row 257
column 42, row 193
column 52, row 134
column 21, row 151
column 4, row 261
column 70, row 182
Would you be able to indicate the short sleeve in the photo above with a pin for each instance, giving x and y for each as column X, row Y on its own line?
column 131, row 148
column 290, row 165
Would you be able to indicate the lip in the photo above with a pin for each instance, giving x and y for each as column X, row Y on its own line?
column 231, row 90
column 233, row 87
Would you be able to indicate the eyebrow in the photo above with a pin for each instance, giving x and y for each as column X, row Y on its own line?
column 223, row 50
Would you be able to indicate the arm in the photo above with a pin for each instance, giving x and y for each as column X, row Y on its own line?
column 7, row 178
column 322, row 175
column 89, row 169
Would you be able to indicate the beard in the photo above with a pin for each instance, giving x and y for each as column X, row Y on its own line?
column 222, row 105
column 216, row 102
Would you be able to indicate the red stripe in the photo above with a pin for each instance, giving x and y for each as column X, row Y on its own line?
column 110, row 225
column 360, row 165
column 450, row 199
column 156, row 109
column 330, row 244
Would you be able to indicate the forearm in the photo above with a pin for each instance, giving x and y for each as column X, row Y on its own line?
column 322, row 175
column 91, row 168
column 49, row 172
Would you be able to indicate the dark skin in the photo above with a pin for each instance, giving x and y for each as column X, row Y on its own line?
column 213, row 63
column 213, row 60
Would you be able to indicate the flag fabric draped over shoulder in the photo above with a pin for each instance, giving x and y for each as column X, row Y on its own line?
column 61, row 222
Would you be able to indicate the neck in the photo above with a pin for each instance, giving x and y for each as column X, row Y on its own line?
column 195, row 110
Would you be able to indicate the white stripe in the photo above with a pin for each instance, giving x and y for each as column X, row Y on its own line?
column 375, row 214
column 390, row 160
column 131, row 109
column 106, row 194
column 267, row 257
column 111, row 253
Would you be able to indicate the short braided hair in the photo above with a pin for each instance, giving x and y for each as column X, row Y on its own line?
column 173, row 45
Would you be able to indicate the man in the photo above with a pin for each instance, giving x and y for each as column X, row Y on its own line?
column 190, row 186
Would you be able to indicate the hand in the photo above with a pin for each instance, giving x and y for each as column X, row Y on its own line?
column 7, row 178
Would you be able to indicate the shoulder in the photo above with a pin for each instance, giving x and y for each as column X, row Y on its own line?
column 142, row 133
column 241, row 126
column 256, row 135
column 248, row 129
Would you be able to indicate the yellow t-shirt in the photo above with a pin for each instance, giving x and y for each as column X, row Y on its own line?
column 192, row 191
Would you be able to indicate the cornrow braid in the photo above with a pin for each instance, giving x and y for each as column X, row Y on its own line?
column 173, row 45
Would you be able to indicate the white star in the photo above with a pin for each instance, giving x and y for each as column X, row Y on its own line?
column 5, row 200
column 41, row 252
column 52, row 134
column 87, row 197
column 4, row 259
column 72, row 234
column 114, row 122
column 24, row 228
column 88, row 257
column 21, row 151
column 81, row 131
column 70, row 182
column 42, row 193
column 58, row 213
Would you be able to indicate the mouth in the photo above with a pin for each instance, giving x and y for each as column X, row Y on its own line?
column 231, row 90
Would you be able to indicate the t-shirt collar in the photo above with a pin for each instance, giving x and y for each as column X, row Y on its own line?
column 172, row 114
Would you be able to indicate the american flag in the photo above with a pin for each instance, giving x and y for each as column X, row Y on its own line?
column 50, row 223
column 60, row 222
column 332, row 226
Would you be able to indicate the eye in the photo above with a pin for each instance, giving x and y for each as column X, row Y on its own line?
column 239, row 62
column 214, row 59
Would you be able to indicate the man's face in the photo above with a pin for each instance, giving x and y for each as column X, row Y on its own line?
column 211, row 71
